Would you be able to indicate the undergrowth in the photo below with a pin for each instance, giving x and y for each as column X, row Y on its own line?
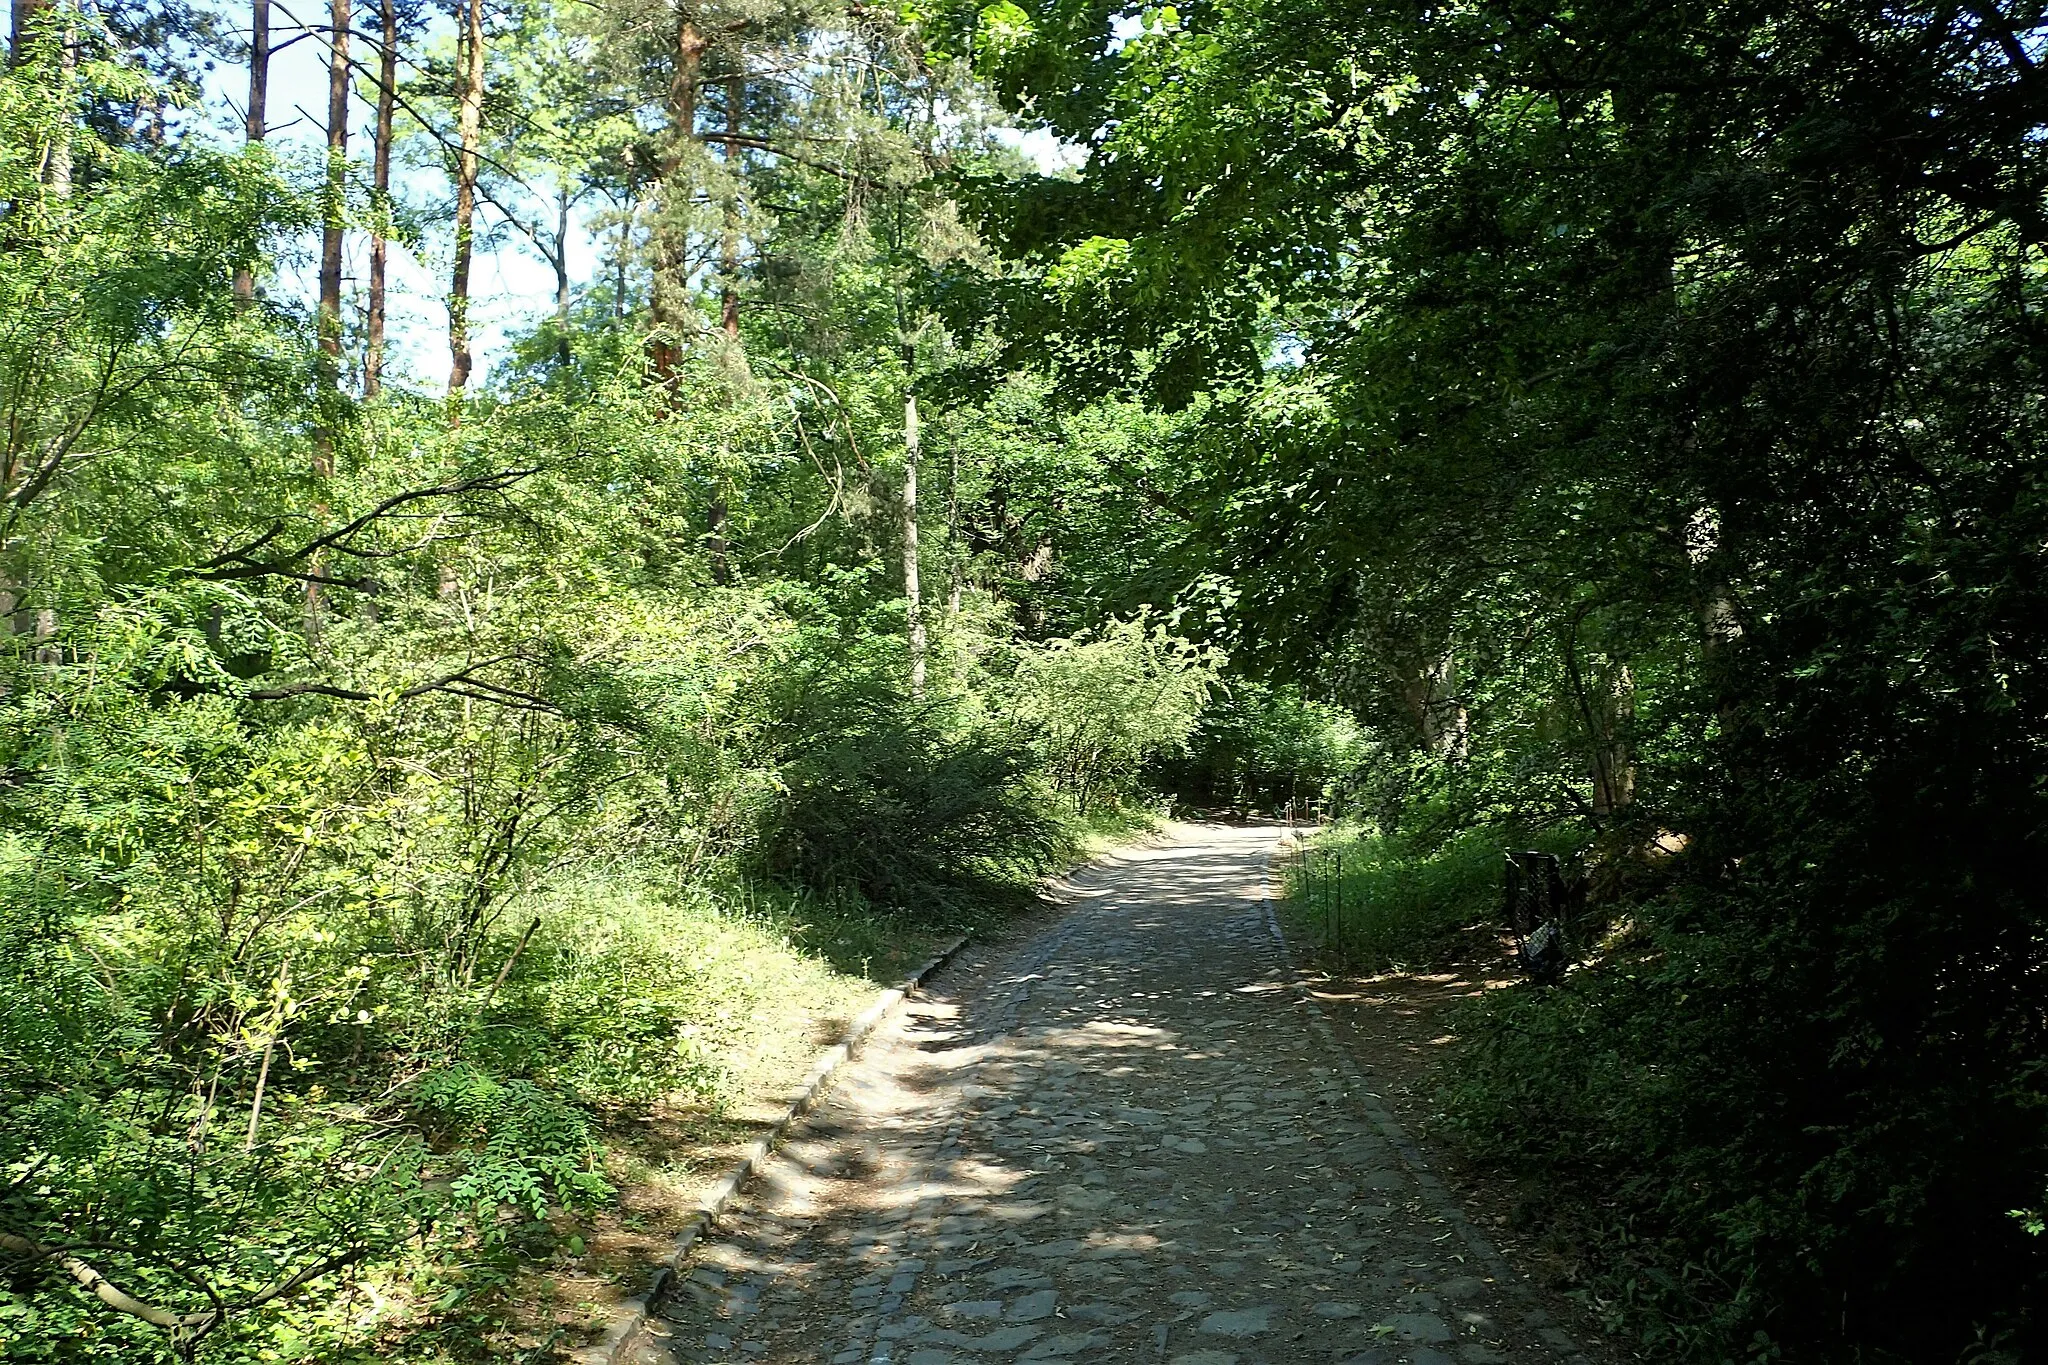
column 1619, row 1106
column 1378, row 901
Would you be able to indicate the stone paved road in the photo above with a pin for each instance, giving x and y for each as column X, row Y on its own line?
column 1129, row 1138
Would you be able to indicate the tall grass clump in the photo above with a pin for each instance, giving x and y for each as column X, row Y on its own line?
column 1380, row 901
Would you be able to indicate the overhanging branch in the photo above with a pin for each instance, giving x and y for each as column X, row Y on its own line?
column 243, row 562
column 464, row 682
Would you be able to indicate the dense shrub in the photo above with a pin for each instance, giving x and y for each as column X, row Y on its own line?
column 1098, row 705
column 388, row 805
column 1266, row 747
column 1657, row 447
column 898, row 802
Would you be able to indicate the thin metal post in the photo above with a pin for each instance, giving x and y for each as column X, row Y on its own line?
column 1337, row 909
column 1330, row 901
column 1309, row 866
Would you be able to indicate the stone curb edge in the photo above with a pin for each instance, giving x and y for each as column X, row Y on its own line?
column 634, row 1313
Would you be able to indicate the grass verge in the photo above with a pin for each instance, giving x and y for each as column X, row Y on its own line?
column 684, row 1015
column 1379, row 902
column 680, row 1016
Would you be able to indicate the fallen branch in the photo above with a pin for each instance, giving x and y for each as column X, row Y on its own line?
column 110, row 1294
column 186, row 1329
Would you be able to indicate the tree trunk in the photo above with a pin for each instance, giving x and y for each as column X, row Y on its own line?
column 1721, row 628
column 333, row 206
column 671, row 284
column 1607, row 708
column 332, row 209
column 682, row 86
column 1431, row 692
column 912, row 599
column 728, row 310
column 380, row 246
column 255, row 122
column 953, row 565
column 625, row 245
column 714, row 538
column 25, row 14
column 729, row 239
column 559, row 259
column 470, row 129
column 1614, row 766
column 56, row 173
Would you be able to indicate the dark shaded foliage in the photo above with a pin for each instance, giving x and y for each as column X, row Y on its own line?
column 898, row 802
column 1664, row 399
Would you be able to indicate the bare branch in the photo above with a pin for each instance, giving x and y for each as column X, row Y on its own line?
column 241, row 563
column 464, row 682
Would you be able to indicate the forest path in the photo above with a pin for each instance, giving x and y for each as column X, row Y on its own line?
column 1129, row 1137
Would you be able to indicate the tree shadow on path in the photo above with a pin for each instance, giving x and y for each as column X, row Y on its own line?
column 1128, row 1138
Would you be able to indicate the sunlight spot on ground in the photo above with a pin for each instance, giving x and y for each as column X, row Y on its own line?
column 1127, row 1030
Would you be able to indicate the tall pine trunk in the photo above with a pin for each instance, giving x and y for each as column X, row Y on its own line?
column 729, row 237
column 255, row 122
column 333, row 206
column 468, row 155
column 380, row 219
column 669, row 296
column 728, row 308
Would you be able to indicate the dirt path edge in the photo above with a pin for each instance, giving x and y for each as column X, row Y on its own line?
column 632, row 1315
column 1536, row 1319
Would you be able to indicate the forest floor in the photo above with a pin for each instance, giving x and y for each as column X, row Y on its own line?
column 1129, row 1133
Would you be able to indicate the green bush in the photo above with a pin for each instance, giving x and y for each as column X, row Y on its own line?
column 513, row 1143
column 1266, row 747
column 899, row 803
column 1099, row 705
column 1611, row 1059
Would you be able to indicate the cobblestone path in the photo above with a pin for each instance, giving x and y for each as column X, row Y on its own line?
column 1130, row 1138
